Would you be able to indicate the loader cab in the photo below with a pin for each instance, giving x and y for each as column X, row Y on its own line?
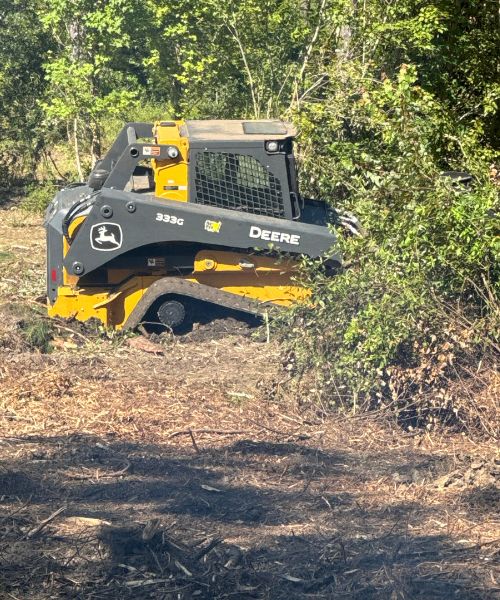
column 245, row 166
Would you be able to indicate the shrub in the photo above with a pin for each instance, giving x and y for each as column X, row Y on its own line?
column 419, row 302
column 38, row 196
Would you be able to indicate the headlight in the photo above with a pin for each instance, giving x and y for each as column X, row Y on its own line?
column 172, row 152
column 272, row 146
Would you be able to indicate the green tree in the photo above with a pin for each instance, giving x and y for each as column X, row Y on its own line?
column 88, row 73
column 226, row 60
column 22, row 47
column 403, row 98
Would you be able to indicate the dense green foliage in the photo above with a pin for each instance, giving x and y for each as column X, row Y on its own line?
column 386, row 95
column 22, row 47
column 418, row 309
column 69, row 68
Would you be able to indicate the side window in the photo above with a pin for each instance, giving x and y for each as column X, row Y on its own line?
column 211, row 165
column 251, row 173
column 236, row 182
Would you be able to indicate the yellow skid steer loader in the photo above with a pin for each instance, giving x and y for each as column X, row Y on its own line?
column 177, row 211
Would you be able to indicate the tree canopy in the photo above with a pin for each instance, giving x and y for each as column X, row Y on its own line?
column 70, row 67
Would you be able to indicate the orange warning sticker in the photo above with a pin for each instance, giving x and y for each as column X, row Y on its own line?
column 151, row 151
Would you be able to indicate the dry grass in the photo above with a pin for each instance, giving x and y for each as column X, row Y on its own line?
column 192, row 474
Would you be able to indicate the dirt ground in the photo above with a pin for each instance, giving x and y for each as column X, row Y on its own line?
column 184, row 468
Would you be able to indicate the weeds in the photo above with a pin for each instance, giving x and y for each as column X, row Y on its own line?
column 5, row 256
column 38, row 333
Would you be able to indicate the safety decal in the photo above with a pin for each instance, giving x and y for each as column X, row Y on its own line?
column 213, row 226
column 156, row 261
column 151, row 151
column 106, row 237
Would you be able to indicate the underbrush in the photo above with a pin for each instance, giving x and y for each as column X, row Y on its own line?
column 38, row 196
column 25, row 328
column 441, row 372
column 412, row 325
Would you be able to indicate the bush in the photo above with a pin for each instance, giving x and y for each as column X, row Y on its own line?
column 38, row 196
column 418, row 304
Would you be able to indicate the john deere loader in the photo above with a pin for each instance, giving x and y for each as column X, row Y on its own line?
column 183, row 211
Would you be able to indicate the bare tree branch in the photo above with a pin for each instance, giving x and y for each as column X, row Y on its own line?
column 234, row 32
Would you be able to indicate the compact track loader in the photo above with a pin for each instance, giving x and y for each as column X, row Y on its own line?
column 180, row 212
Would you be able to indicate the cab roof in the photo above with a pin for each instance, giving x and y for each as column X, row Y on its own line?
column 239, row 130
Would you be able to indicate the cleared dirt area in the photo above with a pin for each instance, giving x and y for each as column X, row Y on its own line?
column 183, row 468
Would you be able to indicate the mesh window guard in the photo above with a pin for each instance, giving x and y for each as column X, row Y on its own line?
column 237, row 182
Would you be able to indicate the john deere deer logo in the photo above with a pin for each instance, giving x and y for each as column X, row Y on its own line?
column 106, row 236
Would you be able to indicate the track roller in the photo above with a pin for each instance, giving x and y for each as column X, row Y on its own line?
column 171, row 313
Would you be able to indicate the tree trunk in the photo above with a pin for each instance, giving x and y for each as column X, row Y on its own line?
column 95, row 147
column 77, row 149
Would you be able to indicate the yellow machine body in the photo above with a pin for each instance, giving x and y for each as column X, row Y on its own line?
column 259, row 278
column 171, row 176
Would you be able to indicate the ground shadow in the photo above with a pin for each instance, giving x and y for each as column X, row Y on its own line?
column 250, row 519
